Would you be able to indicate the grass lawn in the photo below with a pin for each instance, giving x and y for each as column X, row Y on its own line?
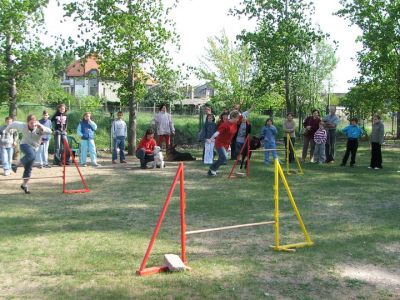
column 88, row 246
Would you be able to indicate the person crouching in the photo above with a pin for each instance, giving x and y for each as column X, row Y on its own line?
column 145, row 149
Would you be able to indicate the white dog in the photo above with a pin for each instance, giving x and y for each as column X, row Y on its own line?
column 158, row 158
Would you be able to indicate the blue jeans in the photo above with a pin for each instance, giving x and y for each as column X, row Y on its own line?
column 119, row 143
column 6, row 157
column 42, row 156
column 28, row 159
column 270, row 145
column 222, row 158
column 88, row 145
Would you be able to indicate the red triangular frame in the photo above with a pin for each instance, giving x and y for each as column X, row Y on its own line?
column 64, row 186
column 143, row 271
column 246, row 144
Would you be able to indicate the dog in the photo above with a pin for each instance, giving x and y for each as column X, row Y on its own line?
column 175, row 155
column 255, row 143
column 158, row 159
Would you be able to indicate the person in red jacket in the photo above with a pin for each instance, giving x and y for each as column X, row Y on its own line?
column 145, row 149
column 223, row 137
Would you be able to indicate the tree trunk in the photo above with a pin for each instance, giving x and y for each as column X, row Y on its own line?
column 12, row 86
column 287, row 90
column 132, row 114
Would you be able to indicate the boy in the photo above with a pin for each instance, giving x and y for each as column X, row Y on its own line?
column 119, row 134
column 320, row 138
column 8, row 142
column 223, row 137
column 353, row 133
column 42, row 156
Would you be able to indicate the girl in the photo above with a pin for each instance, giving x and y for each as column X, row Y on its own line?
column 165, row 126
column 8, row 142
column 377, row 138
column 60, row 133
column 42, row 155
column 32, row 133
column 86, row 129
column 243, row 130
column 223, row 137
column 145, row 149
column 209, row 128
column 222, row 119
column 289, row 127
column 268, row 134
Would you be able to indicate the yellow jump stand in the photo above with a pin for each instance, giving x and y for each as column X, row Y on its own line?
column 289, row 145
column 278, row 173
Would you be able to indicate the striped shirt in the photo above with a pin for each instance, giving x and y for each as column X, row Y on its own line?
column 320, row 136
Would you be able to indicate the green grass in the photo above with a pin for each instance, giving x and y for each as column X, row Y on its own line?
column 88, row 246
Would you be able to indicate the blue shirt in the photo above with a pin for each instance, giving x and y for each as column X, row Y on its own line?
column 332, row 119
column 353, row 131
column 268, row 133
column 46, row 123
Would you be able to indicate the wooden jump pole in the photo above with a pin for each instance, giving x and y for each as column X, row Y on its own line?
column 229, row 227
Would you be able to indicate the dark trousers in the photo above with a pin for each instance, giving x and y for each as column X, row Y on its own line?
column 119, row 143
column 351, row 148
column 233, row 150
column 28, row 159
column 291, row 153
column 330, row 145
column 144, row 157
column 59, row 137
column 376, row 155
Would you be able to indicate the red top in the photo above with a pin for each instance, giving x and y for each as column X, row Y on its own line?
column 227, row 131
column 147, row 145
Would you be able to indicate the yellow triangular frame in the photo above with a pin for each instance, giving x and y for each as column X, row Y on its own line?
column 278, row 173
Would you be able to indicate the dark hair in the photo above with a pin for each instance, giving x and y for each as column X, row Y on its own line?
column 314, row 110
column 120, row 113
column 234, row 114
column 45, row 112
column 161, row 106
column 30, row 117
column 213, row 117
column 8, row 118
column 149, row 131
column 289, row 114
column 269, row 119
column 354, row 119
column 377, row 116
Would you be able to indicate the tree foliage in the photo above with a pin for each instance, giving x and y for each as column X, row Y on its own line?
column 127, row 36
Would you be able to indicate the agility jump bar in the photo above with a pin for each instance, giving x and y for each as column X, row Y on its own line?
column 229, row 227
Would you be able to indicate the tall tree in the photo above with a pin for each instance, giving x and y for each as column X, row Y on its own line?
column 126, row 36
column 284, row 34
column 18, row 21
column 379, row 60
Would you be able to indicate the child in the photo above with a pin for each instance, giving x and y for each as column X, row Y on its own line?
column 320, row 138
column 377, row 138
column 223, row 118
column 223, row 137
column 7, row 144
column 60, row 133
column 86, row 129
column 209, row 128
column 165, row 126
column 289, row 127
column 32, row 133
column 268, row 134
column 119, row 134
column 42, row 156
column 244, row 129
column 353, row 133
column 145, row 149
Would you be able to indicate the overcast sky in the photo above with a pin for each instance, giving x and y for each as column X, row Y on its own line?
column 196, row 20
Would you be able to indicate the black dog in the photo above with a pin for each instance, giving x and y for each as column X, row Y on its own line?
column 175, row 155
column 255, row 143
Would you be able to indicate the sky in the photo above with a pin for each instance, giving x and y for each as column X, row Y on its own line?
column 196, row 20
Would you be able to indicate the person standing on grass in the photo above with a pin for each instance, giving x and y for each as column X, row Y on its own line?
column 42, row 156
column 8, row 142
column 144, row 150
column 320, row 138
column 289, row 128
column 243, row 131
column 85, row 131
column 164, row 125
column 209, row 128
column 331, row 123
column 268, row 135
column 119, row 133
column 223, row 137
column 222, row 119
column 353, row 133
column 60, row 133
column 32, row 133
column 311, row 125
column 377, row 139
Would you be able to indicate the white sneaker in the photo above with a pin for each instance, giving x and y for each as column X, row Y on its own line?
column 7, row 173
column 376, row 168
column 96, row 165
